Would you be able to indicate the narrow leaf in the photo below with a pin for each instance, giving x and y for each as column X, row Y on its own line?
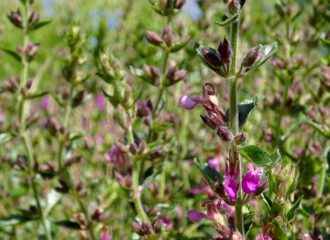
column 291, row 213
column 68, row 224
column 40, row 25
column 209, row 173
column 13, row 54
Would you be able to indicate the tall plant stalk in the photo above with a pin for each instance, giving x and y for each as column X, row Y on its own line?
column 22, row 119
column 233, row 96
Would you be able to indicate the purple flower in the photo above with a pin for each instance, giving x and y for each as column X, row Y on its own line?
column 166, row 222
column 231, row 187
column 100, row 101
column 196, row 216
column 188, row 102
column 252, row 179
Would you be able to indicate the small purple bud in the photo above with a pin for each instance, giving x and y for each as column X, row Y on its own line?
column 188, row 102
column 154, row 38
column 195, row 216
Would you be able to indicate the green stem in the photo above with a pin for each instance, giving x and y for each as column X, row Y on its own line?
column 135, row 177
column 22, row 130
column 323, row 175
column 234, row 38
column 67, row 114
column 162, row 81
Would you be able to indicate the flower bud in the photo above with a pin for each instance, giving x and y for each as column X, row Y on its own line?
column 240, row 138
column 252, row 56
column 98, row 215
column 236, row 236
column 78, row 99
column 188, row 102
column 133, row 148
column 143, row 108
column 224, row 133
column 33, row 19
column 153, row 73
column 16, row 18
column 11, row 84
column 142, row 229
column 167, row 36
column 225, row 51
column 154, row 38
column 234, row 6
column 179, row 4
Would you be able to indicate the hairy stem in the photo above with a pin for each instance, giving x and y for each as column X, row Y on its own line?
column 234, row 38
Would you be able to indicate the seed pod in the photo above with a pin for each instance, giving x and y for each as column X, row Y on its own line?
column 154, row 38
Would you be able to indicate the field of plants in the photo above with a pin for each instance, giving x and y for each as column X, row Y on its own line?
column 164, row 119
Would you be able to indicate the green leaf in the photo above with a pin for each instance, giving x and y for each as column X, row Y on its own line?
column 36, row 95
column 160, row 127
column 15, row 219
column 291, row 213
column 178, row 46
column 258, row 156
column 69, row 224
column 40, row 25
column 244, row 110
column 327, row 158
column 267, row 201
column 209, row 173
column 222, row 20
column 13, row 54
column 326, row 42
